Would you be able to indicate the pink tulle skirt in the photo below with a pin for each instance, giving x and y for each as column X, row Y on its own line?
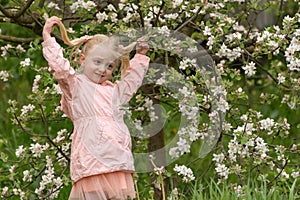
column 116, row 185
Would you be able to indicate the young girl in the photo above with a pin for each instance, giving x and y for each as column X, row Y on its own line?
column 101, row 157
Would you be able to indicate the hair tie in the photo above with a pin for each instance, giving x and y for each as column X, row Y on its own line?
column 86, row 37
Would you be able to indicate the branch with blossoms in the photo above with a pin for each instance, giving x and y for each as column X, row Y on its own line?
column 256, row 108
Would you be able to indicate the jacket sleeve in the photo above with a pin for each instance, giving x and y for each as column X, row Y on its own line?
column 61, row 70
column 133, row 78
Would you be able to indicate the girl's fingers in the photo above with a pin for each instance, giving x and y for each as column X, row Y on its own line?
column 52, row 21
column 142, row 45
column 49, row 26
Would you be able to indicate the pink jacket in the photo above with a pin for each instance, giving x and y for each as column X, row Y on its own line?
column 101, row 141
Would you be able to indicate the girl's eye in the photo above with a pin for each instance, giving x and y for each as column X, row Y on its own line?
column 97, row 62
column 110, row 67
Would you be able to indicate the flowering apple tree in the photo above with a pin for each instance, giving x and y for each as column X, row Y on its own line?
column 220, row 100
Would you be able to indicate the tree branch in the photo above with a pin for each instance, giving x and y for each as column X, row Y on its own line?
column 18, row 14
column 158, row 14
column 188, row 21
column 17, row 40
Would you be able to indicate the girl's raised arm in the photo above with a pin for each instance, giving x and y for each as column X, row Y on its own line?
column 59, row 66
column 49, row 26
column 134, row 75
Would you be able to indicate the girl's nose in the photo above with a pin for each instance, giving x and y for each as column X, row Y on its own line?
column 101, row 69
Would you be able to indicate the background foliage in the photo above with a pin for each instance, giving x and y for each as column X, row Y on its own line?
column 255, row 46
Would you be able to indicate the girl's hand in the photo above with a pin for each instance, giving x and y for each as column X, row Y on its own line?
column 142, row 47
column 49, row 26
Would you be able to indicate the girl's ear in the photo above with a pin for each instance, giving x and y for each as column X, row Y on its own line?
column 81, row 58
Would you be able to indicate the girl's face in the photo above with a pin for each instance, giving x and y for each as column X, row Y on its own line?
column 98, row 64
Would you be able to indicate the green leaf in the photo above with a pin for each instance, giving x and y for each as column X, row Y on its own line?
column 3, row 157
column 270, row 56
column 244, row 140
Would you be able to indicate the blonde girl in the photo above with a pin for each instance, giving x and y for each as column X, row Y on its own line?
column 101, row 156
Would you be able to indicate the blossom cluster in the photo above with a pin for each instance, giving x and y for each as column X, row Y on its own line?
column 186, row 173
column 35, row 87
column 81, row 4
column 247, row 144
column 27, row 109
column 8, row 47
column 48, row 178
column 188, row 107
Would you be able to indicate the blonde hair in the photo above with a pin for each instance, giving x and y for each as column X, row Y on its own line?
column 90, row 41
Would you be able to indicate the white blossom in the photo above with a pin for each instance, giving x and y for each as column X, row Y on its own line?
column 261, row 146
column 4, row 190
column 284, row 174
column 111, row 7
column 164, row 30
column 293, row 62
column 280, row 78
column 20, row 48
column 186, row 63
column 159, row 170
column 171, row 16
column 222, row 170
column 266, row 124
column 207, row 31
column 150, row 108
column 12, row 169
column 37, row 149
column 244, row 117
column 233, row 148
column 222, row 105
column 238, row 190
column 27, row 176
column 53, row 5
column 234, row 36
column 19, row 192
column 81, row 4
column 218, row 158
column 295, row 174
column 211, row 41
column 4, row 75
column 35, row 85
column 5, row 49
column 25, row 63
column 183, row 146
column 177, row 3
column 114, row 17
column 173, row 152
column 60, row 136
column 231, row 54
column 101, row 17
column 57, row 89
column 20, row 151
column 287, row 20
column 263, row 36
column 250, row 69
column 219, row 90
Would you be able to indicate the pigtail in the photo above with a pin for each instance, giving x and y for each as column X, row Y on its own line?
column 124, row 64
column 76, row 43
column 67, row 41
column 125, row 60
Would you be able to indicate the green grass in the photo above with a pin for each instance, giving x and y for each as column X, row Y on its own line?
column 252, row 191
